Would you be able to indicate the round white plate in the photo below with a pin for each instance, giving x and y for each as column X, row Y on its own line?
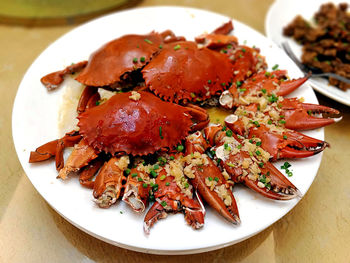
column 280, row 14
column 35, row 123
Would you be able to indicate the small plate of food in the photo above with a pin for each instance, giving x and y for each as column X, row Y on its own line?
column 170, row 111
column 318, row 33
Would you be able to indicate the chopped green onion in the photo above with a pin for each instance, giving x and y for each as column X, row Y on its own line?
column 186, row 185
column 239, row 146
column 144, row 185
column 193, row 95
column 172, row 157
column 231, row 165
column 139, row 179
column 97, row 103
column 167, row 183
column 258, row 143
column 163, row 203
column 160, row 132
column 134, row 60
column 216, row 179
column 156, row 166
column 258, row 153
column 223, row 84
column 282, row 121
column 180, row 148
column 263, row 91
column 148, row 41
column 261, row 165
column 272, row 98
column 142, row 59
column 209, row 81
column 285, row 137
column 238, row 84
column 275, row 67
column 242, row 90
column 162, row 177
column 210, row 179
column 134, row 175
column 177, row 47
column 269, row 122
column 160, row 46
column 127, row 171
column 153, row 173
column 243, row 50
column 229, row 133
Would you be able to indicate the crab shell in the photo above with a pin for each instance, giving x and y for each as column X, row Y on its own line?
column 109, row 63
column 183, row 72
column 134, row 126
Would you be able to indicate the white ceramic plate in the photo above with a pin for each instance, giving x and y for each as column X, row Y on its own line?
column 280, row 14
column 35, row 122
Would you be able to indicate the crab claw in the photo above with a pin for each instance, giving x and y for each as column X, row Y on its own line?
column 109, row 181
column 277, row 188
column 264, row 83
column 170, row 198
column 136, row 191
column 207, row 178
column 283, row 144
column 298, row 116
column 252, row 169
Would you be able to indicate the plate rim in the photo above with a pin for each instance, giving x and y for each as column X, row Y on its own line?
column 140, row 249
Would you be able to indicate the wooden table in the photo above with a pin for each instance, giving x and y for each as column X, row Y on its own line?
column 316, row 230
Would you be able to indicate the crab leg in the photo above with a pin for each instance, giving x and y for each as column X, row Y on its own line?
column 241, row 161
column 199, row 116
column 55, row 148
column 88, row 172
column 207, row 178
column 136, row 191
column 219, row 37
column 81, row 155
column 298, row 116
column 88, row 98
column 109, row 181
column 53, row 80
column 170, row 198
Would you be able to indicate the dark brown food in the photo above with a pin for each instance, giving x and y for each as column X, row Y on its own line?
column 326, row 45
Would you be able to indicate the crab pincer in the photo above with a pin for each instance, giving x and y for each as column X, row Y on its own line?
column 208, row 180
column 174, row 194
column 263, row 83
column 247, row 163
column 299, row 116
column 281, row 143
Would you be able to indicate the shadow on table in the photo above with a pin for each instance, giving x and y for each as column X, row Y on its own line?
column 57, row 13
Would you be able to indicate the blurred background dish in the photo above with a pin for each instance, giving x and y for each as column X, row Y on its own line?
column 282, row 13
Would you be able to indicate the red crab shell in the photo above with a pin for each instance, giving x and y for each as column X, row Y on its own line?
column 107, row 64
column 137, row 127
column 184, row 72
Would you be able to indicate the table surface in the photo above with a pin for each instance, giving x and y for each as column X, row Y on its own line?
column 316, row 230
